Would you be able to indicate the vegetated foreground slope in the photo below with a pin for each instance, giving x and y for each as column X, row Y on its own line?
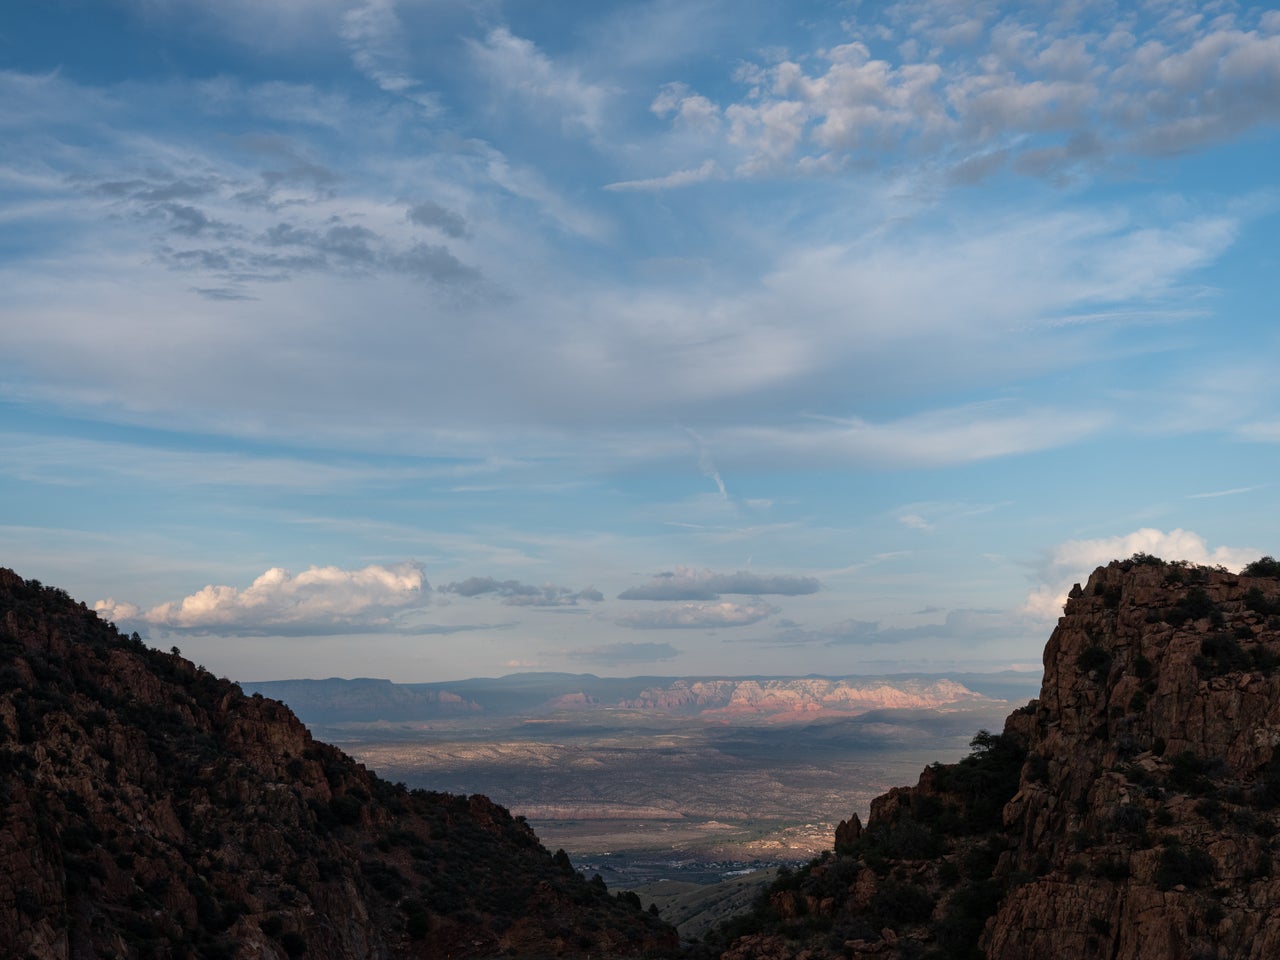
column 1132, row 812
column 150, row 809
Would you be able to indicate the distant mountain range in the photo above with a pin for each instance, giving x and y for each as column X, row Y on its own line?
column 750, row 699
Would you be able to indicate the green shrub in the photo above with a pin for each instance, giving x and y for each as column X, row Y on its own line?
column 1196, row 605
column 907, row 839
column 294, row 945
column 985, row 780
column 1188, row 866
column 1267, row 566
column 345, row 809
column 1129, row 818
column 1094, row 659
column 1188, row 772
column 1258, row 602
column 895, row 904
column 271, row 926
column 1112, row 870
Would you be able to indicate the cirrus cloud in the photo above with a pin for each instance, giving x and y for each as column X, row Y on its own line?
column 613, row 654
column 698, row 616
column 685, row 583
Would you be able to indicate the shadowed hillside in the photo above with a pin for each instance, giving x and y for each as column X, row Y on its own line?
column 150, row 809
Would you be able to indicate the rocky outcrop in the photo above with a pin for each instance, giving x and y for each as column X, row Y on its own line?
column 150, row 809
column 1131, row 812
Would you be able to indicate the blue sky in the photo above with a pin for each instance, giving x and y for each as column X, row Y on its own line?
column 428, row 340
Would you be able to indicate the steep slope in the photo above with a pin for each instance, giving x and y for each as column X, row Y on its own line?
column 1129, row 813
column 150, row 809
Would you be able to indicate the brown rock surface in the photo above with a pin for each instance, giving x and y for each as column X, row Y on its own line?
column 1132, row 812
column 150, row 809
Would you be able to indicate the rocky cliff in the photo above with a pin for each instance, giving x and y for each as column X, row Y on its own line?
column 150, row 809
column 1132, row 812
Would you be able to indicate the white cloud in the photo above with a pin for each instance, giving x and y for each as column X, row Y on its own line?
column 694, row 616
column 1045, row 97
column 319, row 600
column 960, row 435
column 519, row 69
column 1073, row 561
column 685, row 583
column 324, row 248
column 679, row 178
column 688, row 110
column 376, row 38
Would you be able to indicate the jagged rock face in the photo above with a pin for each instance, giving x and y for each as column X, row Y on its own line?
column 1159, row 716
column 1132, row 812
column 149, row 809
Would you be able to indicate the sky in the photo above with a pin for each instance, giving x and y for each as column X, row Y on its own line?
column 426, row 340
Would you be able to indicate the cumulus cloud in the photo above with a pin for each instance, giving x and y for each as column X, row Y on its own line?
column 318, row 600
column 695, row 616
column 613, row 654
column 1073, row 561
column 517, row 594
column 982, row 92
column 685, row 583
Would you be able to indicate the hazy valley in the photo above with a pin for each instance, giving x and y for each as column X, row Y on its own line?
column 646, row 779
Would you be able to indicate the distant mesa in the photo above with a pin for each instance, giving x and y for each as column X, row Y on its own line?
column 799, row 699
column 764, row 700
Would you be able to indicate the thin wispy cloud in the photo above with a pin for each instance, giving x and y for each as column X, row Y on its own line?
column 698, row 616
column 688, row 584
column 773, row 325
column 625, row 654
column 1233, row 492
